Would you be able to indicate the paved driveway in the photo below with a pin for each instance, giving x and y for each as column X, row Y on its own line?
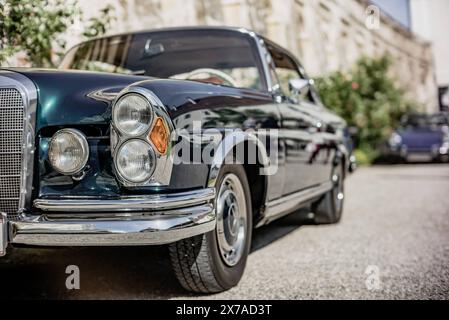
column 393, row 243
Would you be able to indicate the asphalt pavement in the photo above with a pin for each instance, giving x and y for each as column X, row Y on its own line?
column 392, row 243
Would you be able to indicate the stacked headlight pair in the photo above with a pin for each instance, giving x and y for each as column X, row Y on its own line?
column 137, row 125
column 135, row 159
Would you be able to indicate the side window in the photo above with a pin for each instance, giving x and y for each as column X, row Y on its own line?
column 286, row 69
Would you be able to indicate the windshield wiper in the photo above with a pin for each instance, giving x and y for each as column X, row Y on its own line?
column 138, row 73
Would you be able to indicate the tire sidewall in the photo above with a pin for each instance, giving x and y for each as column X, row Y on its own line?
column 338, row 213
column 225, row 275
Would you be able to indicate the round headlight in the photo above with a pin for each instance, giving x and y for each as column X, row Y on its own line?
column 68, row 151
column 395, row 140
column 132, row 114
column 135, row 161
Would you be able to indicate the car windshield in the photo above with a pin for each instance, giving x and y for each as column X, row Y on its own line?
column 219, row 57
column 425, row 120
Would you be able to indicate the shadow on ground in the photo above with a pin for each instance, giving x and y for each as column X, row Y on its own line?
column 413, row 176
column 397, row 161
column 108, row 272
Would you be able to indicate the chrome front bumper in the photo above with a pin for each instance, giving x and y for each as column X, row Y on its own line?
column 146, row 220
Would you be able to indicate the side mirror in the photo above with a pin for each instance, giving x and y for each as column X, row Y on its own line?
column 151, row 50
column 299, row 87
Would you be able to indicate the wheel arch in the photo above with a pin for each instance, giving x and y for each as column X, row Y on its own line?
column 257, row 179
column 342, row 157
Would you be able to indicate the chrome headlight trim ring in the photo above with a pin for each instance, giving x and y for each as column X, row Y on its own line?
column 84, row 147
column 151, row 156
column 146, row 126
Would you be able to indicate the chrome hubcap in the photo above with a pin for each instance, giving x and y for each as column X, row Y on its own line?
column 231, row 219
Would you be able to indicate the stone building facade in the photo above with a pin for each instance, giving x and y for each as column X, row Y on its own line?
column 325, row 34
column 429, row 19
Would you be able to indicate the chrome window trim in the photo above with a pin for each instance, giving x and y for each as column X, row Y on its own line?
column 28, row 91
column 127, row 204
column 263, row 55
column 164, row 162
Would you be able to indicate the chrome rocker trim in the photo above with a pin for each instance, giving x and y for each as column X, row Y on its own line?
column 278, row 208
column 149, row 220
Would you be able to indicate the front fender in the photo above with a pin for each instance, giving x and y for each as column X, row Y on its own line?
column 235, row 141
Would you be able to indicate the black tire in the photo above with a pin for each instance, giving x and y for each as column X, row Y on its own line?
column 198, row 263
column 329, row 208
column 443, row 159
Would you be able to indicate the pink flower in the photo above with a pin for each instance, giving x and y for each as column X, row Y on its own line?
column 355, row 86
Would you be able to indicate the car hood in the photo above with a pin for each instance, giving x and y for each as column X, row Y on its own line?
column 75, row 97
column 72, row 97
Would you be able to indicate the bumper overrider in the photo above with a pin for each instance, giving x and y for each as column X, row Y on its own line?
column 136, row 220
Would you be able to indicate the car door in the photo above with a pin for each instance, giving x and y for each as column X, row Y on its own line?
column 325, row 139
column 299, row 128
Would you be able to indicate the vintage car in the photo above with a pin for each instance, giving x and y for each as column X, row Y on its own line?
column 149, row 138
column 420, row 138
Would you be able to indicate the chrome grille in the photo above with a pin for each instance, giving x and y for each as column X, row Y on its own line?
column 12, row 114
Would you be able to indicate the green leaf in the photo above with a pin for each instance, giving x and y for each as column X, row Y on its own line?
column 33, row 26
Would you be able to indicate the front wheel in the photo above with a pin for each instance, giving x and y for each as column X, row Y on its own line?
column 329, row 208
column 215, row 261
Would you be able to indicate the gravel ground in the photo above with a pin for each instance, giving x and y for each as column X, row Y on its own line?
column 393, row 243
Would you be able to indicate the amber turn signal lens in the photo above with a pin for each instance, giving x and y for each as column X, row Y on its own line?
column 159, row 136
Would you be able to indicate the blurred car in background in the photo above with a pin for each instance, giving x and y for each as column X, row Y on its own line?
column 421, row 138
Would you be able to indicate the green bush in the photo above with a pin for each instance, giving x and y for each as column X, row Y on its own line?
column 35, row 27
column 365, row 155
column 368, row 99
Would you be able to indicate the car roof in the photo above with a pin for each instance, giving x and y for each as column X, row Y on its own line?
column 240, row 30
column 176, row 29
